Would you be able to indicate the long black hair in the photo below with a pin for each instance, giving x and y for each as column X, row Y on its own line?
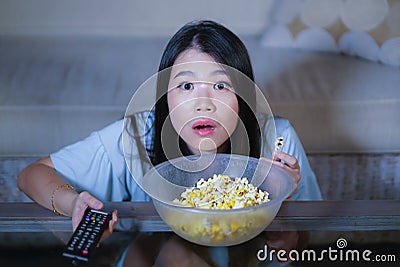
column 225, row 48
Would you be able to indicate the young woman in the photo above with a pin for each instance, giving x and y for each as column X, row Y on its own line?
column 202, row 106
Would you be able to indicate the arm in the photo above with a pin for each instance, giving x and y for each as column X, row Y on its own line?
column 40, row 181
column 289, row 164
column 307, row 185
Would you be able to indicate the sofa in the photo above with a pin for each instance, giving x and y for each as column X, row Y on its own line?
column 55, row 90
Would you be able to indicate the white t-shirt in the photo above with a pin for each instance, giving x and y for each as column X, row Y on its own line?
column 97, row 164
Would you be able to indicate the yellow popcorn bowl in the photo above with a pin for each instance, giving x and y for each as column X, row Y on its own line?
column 166, row 181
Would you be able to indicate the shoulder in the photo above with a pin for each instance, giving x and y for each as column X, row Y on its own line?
column 114, row 131
column 286, row 130
column 282, row 125
column 111, row 132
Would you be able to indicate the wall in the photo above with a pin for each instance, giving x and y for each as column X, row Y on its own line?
column 150, row 17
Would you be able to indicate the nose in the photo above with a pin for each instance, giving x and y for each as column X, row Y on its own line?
column 204, row 102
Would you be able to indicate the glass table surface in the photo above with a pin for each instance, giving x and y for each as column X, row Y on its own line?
column 305, row 233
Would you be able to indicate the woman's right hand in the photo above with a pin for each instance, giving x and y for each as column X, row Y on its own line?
column 40, row 180
column 85, row 200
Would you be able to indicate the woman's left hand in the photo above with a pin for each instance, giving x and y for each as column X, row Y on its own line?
column 290, row 164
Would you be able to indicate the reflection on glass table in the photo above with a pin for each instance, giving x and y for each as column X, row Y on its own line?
column 168, row 249
column 356, row 233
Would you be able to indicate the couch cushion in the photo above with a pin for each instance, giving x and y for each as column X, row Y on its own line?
column 55, row 90
column 336, row 103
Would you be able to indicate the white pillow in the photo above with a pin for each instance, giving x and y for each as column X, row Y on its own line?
column 368, row 29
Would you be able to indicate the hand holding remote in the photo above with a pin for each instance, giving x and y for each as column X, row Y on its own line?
column 84, row 201
column 87, row 235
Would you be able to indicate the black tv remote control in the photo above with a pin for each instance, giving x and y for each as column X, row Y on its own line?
column 87, row 234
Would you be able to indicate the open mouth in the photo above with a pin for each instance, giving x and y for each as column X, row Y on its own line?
column 204, row 127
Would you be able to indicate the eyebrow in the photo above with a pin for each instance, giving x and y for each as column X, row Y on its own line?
column 190, row 73
column 184, row 73
column 219, row 72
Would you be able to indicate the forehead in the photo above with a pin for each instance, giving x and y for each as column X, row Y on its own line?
column 197, row 62
column 191, row 55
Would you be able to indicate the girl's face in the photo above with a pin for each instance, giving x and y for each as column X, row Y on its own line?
column 202, row 103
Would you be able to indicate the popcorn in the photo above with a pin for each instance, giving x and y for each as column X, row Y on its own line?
column 222, row 192
column 279, row 142
column 218, row 193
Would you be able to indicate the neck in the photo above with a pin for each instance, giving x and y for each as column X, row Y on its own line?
column 223, row 149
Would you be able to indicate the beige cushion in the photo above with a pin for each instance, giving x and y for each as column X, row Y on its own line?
column 56, row 90
column 336, row 103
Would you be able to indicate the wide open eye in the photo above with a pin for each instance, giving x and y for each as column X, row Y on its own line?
column 221, row 86
column 186, row 86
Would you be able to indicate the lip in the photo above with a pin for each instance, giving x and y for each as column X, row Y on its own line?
column 204, row 127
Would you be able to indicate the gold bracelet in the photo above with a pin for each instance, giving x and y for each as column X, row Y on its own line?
column 59, row 187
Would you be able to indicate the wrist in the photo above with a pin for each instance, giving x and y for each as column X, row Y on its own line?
column 62, row 199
